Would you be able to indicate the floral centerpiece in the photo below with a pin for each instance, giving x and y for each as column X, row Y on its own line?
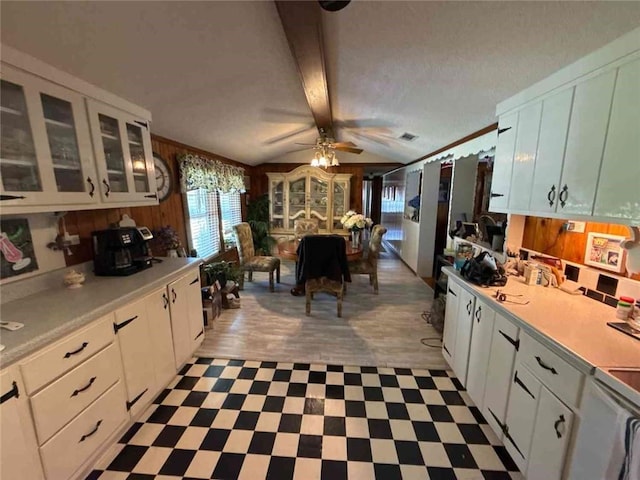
column 169, row 240
column 355, row 222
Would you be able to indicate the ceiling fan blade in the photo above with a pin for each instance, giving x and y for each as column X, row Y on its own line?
column 344, row 144
column 308, row 144
column 287, row 136
column 372, row 138
column 349, row 149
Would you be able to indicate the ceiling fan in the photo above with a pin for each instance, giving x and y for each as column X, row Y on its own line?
column 326, row 147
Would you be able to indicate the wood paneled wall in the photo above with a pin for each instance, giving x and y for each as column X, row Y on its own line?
column 541, row 234
column 169, row 212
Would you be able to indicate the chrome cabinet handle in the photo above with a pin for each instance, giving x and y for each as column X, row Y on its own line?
column 545, row 366
column 86, row 387
column 551, row 196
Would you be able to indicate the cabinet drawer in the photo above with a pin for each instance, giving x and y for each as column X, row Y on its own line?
column 66, row 451
column 562, row 379
column 66, row 354
column 58, row 403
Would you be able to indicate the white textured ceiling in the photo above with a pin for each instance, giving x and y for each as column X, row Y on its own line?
column 220, row 76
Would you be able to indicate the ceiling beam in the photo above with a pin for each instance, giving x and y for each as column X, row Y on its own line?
column 302, row 24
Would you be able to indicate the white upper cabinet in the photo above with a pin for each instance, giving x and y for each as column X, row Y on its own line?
column 585, row 144
column 551, row 144
column 68, row 145
column 524, row 158
column 123, row 150
column 619, row 185
column 45, row 155
column 503, row 163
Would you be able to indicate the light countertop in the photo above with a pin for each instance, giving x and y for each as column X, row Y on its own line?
column 59, row 311
column 573, row 324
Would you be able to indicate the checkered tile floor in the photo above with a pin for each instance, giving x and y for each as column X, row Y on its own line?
column 234, row 419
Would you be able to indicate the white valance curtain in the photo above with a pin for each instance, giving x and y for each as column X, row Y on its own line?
column 209, row 174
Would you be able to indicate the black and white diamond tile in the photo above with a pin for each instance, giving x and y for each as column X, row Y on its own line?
column 234, row 419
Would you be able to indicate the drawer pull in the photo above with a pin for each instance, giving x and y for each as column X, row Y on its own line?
column 194, row 281
column 165, row 299
column 86, row 387
column 515, row 343
column 87, row 435
column 14, row 392
column 175, row 295
column 117, row 326
column 93, row 187
column 452, row 293
column 545, row 366
column 519, row 382
column 557, row 424
column 75, row 352
column 104, row 182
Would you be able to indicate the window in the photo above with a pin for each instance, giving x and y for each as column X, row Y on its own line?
column 204, row 222
column 231, row 215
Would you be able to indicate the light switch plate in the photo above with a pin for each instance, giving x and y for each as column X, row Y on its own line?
column 11, row 325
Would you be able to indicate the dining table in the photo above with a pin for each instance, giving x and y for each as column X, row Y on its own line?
column 289, row 248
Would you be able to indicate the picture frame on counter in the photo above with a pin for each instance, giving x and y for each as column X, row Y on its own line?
column 605, row 251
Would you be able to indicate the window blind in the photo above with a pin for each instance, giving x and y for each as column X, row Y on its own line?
column 204, row 222
column 231, row 213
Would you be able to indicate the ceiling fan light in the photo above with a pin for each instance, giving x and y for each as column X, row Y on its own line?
column 335, row 162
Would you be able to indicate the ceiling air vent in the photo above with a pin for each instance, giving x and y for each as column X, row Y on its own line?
column 408, row 137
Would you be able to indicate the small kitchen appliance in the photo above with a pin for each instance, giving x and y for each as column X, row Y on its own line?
column 121, row 251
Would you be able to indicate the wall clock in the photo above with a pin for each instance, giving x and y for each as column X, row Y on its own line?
column 164, row 177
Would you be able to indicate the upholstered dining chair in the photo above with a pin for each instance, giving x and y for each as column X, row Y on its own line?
column 303, row 227
column 369, row 264
column 322, row 267
column 249, row 261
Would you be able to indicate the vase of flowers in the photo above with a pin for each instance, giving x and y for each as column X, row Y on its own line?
column 169, row 240
column 355, row 222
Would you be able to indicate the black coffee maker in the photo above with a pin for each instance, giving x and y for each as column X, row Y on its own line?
column 121, row 251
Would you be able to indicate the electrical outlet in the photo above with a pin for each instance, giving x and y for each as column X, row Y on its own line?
column 575, row 227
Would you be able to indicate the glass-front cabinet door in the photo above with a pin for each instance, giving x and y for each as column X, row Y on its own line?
column 124, row 156
column 297, row 200
column 340, row 201
column 46, row 155
column 277, row 203
column 318, row 201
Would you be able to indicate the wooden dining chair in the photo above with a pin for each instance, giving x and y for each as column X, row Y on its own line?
column 369, row 264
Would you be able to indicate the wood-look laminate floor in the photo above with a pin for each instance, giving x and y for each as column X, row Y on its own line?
column 382, row 330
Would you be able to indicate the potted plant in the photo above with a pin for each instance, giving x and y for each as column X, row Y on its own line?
column 169, row 239
column 221, row 271
column 258, row 220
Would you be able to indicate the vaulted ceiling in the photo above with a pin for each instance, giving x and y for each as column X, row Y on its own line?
column 221, row 76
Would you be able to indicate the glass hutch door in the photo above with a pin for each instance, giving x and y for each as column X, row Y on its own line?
column 340, row 202
column 297, row 200
column 277, row 204
column 318, row 201
column 46, row 155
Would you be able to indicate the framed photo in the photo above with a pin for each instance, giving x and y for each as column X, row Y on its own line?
column 604, row 251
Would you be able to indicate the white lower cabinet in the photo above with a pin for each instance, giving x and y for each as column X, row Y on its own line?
column 187, row 322
column 464, row 325
column 504, row 344
column 483, row 320
column 450, row 321
column 19, row 449
column 65, row 453
column 132, row 331
column 159, row 316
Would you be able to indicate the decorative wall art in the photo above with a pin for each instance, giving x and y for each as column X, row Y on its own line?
column 18, row 256
column 605, row 251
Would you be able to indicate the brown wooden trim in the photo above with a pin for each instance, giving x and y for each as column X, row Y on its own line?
column 471, row 136
column 184, row 146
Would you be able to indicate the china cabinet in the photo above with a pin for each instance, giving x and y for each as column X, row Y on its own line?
column 308, row 193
